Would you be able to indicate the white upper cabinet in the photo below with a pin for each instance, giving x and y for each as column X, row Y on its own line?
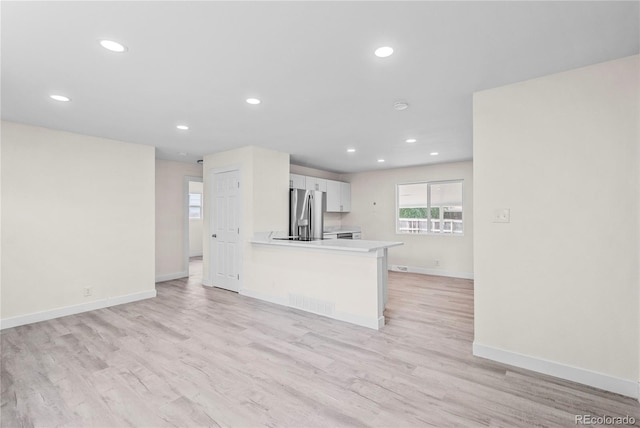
column 338, row 192
column 345, row 197
column 314, row 183
column 338, row 196
column 297, row 181
column 333, row 196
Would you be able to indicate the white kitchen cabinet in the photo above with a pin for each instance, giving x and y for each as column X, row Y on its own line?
column 345, row 197
column 297, row 181
column 333, row 196
column 315, row 183
column 338, row 196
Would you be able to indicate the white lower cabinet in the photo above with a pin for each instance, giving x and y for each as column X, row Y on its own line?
column 334, row 235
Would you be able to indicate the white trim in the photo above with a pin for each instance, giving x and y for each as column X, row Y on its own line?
column 172, row 276
column 373, row 323
column 425, row 271
column 185, row 222
column 266, row 297
column 75, row 309
column 625, row 387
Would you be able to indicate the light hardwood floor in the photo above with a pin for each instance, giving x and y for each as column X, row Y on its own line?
column 196, row 356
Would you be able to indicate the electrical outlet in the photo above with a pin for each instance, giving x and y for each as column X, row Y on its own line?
column 501, row 215
column 88, row 291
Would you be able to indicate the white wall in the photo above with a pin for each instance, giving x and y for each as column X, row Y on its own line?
column 195, row 224
column 170, row 217
column 276, row 273
column 330, row 219
column 560, row 282
column 77, row 211
column 264, row 176
column 313, row 172
column 1, row 316
column 373, row 207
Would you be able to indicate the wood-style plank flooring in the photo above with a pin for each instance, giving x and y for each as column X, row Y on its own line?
column 196, row 356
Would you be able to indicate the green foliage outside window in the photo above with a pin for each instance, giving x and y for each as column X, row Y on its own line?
column 419, row 212
column 413, row 213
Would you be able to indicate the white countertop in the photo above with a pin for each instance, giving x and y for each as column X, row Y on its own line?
column 352, row 245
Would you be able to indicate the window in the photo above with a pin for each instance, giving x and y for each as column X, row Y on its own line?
column 430, row 208
column 195, row 205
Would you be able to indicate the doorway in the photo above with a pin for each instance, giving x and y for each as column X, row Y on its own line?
column 193, row 203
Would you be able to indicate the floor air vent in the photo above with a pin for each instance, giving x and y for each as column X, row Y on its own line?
column 317, row 306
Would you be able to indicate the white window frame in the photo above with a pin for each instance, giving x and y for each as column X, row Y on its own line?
column 199, row 206
column 427, row 232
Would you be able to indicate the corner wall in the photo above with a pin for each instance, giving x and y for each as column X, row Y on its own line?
column 170, row 217
column 77, row 211
column 557, row 288
column 373, row 207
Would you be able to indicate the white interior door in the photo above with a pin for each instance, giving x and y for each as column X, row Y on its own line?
column 225, row 230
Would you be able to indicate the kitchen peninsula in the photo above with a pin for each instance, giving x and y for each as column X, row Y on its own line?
column 339, row 278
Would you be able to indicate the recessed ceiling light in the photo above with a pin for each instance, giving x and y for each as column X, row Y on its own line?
column 59, row 98
column 401, row 105
column 434, row 153
column 183, row 153
column 112, row 46
column 182, row 127
column 351, row 150
column 253, row 101
column 384, row 51
column 411, row 140
column 380, row 160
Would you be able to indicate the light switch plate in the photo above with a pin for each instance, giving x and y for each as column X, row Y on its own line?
column 501, row 215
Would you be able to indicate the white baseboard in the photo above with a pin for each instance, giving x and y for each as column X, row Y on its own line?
column 266, row 297
column 172, row 276
column 425, row 271
column 373, row 323
column 74, row 309
column 603, row 381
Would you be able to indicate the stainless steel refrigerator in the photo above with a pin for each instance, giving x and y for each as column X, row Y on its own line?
column 306, row 213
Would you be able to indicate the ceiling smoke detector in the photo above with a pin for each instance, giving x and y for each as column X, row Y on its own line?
column 401, row 105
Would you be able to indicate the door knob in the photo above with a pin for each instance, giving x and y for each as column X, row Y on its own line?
column 214, row 236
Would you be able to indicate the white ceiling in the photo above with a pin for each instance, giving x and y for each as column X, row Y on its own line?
column 311, row 63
